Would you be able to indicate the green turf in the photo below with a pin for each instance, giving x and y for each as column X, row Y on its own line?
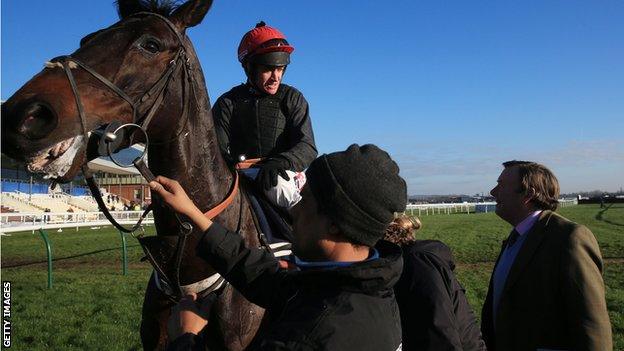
column 478, row 237
column 93, row 306
column 89, row 308
column 69, row 246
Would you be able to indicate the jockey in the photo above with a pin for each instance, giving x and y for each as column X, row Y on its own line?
column 266, row 119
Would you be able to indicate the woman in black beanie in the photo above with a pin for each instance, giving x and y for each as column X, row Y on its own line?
column 339, row 293
column 435, row 314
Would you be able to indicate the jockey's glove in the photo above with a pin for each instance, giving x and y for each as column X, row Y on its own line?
column 270, row 169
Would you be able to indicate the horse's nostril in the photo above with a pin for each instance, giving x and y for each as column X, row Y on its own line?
column 38, row 122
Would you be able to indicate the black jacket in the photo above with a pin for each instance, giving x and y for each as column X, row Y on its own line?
column 435, row 314
column 343, row 308
column 260, row 125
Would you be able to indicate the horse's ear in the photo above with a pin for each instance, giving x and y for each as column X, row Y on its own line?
column 191, row 13
column 126, row 8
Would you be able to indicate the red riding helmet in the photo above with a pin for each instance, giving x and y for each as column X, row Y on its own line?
column 264, row 45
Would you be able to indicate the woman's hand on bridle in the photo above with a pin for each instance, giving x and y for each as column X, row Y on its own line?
column 176, row 198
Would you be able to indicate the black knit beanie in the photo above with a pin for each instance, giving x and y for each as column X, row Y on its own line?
column 359, row 189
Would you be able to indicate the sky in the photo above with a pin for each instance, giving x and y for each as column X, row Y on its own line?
column 451, row 89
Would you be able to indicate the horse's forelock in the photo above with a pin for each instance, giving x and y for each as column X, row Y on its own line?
column 127, row 8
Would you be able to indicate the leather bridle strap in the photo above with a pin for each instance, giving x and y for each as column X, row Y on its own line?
column 79, row 106
column 169, row 24
column 215, row 211
column 95, row 191
column 99, row 77
column 159, row 87
column 247, row 163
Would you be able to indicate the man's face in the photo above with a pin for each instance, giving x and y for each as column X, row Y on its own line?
column 309, row 227
column 511, row 205
column 268, row 78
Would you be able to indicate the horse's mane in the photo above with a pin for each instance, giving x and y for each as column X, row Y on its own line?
column 126, row 8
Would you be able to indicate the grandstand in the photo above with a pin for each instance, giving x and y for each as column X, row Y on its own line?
column 24, row 192
column 55, row 202
column 13, row 202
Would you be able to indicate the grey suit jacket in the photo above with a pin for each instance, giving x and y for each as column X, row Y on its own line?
column 554, row 296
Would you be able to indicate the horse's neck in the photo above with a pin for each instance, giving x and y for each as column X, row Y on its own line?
column 201, row 168
column 194, row 158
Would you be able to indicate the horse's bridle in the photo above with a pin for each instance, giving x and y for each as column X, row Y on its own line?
column 158, row 89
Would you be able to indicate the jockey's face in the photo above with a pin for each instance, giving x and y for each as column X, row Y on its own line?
column 267, row 79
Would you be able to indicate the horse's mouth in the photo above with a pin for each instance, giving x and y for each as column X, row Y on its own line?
column 56, row 161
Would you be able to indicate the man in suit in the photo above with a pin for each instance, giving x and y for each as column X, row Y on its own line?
column 546, row 291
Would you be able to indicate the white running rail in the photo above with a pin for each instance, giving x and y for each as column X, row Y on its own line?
column 21, row 221
column 467, row 207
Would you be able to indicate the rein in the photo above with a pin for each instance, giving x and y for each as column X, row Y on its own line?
column 157, row 92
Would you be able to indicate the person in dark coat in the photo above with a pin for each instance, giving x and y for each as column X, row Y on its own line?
column 546, row 291
column 265, row 118
column 338, row 294
column 435, row 314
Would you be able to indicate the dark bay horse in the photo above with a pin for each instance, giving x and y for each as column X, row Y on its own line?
column 141, row 68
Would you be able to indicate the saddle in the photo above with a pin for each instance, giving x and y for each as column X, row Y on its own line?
column 273, row 222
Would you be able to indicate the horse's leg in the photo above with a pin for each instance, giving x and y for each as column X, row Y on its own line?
column 156, row 310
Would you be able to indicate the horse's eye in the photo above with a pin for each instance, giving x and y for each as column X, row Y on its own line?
column 151, row 46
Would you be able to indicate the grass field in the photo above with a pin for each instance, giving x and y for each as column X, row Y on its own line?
column 93, row 306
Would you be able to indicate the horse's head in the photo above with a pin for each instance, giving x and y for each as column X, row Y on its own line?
column 117, row 72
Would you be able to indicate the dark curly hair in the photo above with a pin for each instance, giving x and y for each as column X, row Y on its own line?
column 401, row 230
